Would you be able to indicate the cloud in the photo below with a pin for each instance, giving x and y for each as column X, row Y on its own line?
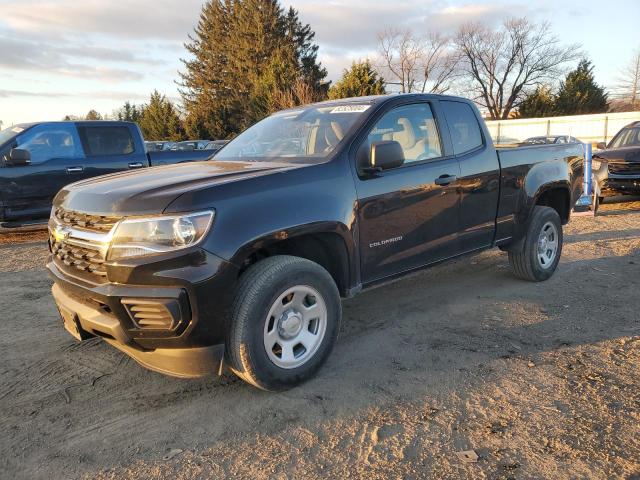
column 451, row 18
column 101, row 95
column 353, row 25
column 66, row 60
column 159, row 19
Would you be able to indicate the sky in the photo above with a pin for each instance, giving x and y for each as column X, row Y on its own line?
column 65, row 57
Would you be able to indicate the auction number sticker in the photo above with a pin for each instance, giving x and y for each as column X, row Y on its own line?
column 350, row 109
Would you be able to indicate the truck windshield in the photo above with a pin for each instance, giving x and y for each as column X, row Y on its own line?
column 305, row 134
column 8, row 133
column 628, row 137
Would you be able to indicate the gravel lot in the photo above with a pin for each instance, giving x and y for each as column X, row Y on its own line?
column 540, row 380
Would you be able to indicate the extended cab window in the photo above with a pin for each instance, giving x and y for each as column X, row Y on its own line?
column 105, row 140
column 48, row 142
column 463, row 125
column 414, row 128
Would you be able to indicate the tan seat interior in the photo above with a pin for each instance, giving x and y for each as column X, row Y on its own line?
column 325, row 136
column 412, row 145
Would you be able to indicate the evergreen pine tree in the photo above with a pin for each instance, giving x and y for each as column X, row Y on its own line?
column 160, row 119
column 129, row 112
column 93, row 115
column 540, row 103
column 250, row 58
column 580, row 94
column 358, row 81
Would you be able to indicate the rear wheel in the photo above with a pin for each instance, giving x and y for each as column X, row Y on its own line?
column 285, row 321
column 536, row 256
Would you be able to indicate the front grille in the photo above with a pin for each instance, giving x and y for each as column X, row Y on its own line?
column 80, row 258
column 624, row 168
column 99, row 223
column 152, row 314
column 78, row 241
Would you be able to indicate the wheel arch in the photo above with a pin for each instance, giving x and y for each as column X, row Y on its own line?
column 328, row 244
column 556, row 196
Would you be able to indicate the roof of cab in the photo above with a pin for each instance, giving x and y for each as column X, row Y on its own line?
column 76, row 122
column 375, row 99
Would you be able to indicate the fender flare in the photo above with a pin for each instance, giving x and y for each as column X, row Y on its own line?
column 269, row 240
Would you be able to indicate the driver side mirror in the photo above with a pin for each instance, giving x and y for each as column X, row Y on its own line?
column 18, row 157
column 385, row 155
column 601, row 145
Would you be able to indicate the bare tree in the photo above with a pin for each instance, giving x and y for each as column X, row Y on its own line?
column 506, row 64
column 629, row 82
column 416, row 64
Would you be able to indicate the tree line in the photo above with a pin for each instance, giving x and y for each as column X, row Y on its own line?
column 249, row 58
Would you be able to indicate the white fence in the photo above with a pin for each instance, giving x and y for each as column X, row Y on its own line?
column 588, row 128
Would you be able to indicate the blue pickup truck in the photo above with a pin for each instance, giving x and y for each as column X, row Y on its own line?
column 38, row 159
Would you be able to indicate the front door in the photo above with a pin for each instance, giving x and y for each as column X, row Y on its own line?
column 56, row 160
column 409, row 215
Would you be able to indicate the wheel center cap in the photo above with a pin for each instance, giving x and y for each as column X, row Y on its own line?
column 543, row 244
column 290, row 324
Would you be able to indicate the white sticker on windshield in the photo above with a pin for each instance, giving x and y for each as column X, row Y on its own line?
column 17, row 129
column 350, row 109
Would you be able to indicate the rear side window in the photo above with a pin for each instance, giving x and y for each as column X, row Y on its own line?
column 463, row 125
column 105, row 140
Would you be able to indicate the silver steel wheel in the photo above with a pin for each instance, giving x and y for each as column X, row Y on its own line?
column 295, row 326
column 547, row 245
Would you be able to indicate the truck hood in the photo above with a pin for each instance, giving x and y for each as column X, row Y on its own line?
column 620, row 155
column 151, row 190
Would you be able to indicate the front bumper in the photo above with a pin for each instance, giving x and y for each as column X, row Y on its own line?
column 83, row 322
column 620, row 184
column 198, row 286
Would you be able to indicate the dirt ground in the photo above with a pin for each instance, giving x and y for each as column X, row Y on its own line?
column 540, row 380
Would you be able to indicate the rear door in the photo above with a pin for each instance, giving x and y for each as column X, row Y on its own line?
column 408, row 216
column 479, row 180
column 109, row 149
column 55, row 150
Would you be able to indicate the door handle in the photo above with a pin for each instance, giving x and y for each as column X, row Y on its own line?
column 136, row 165
column 445, row 179
column 75, row 169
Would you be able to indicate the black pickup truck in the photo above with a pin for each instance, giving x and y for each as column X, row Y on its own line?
column 38, row 159
column 241, row 261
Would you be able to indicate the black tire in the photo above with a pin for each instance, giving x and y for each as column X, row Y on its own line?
column 523, row 256
column 259, row 288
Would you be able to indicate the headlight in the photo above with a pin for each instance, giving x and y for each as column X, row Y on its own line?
column 137, row 237
column 595, row 164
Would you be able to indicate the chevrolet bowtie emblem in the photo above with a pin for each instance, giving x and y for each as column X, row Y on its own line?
column 60, row 233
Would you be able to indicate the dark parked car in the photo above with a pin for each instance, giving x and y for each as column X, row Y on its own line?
column 241, row 261
column 616, row 166
column 191, row 145
column 158, row 146
column 216, row 145
column 38, row 159
column 550, row 139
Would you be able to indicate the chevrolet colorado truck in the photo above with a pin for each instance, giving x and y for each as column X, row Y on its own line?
column 241, row 261
column 38, row 159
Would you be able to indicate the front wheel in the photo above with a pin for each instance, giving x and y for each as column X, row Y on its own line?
column 285, row 321
column 537, row 255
